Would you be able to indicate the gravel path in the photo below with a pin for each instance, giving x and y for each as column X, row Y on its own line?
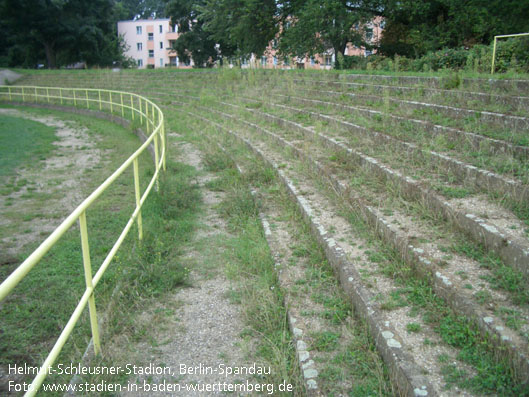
column 204, row 329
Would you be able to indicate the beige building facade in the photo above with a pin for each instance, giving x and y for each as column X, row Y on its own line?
column 149, row 43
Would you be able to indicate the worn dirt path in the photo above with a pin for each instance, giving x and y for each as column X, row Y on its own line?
column 202, row 328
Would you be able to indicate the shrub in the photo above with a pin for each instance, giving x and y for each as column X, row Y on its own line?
column 511, row 55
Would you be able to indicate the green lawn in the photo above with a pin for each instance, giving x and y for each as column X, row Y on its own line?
column 22, row 141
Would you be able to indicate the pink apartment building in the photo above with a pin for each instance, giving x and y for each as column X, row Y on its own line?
column 149, row 43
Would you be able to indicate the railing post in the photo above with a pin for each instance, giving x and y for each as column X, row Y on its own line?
column 88, row 279
column 141, row 112
column 87, row 103
column 110, row 96
column 122, row 108
column 74, row 99
column 60, row 94
column 131, row 107
column 153, row 125
column 23, row 96
column 48, row 94
column 138, row 194
column 100, row 103
column 35, row 94
column 147, row 116
column 9, row 90
column 156, row 158
column 164, row 143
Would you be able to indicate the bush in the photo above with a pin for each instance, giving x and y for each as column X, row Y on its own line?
column 511, row 55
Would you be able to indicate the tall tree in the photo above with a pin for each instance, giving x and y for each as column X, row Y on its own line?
column 193, row 42
column 141, row 9
column 416, row 27
column 315, row 26
column 240, row 27
column 64, row 31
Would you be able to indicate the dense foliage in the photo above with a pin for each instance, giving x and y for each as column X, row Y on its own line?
column 434, row 33
column 511, row 55
column 62, row 32
column 414, row 28
column 421, row 30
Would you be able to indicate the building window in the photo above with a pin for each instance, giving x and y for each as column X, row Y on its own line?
column 275, row 61
column 312, row 61
column 328, row 60
column 161, row 62
column 140, row 62
column 139, row 46
column 161, row 45
column 150, row 36
column 263, row 61
column 286, row 61
column 151, row 53
column 368, row 52
column 138, row 29
column 161, row 29
column 369, row 34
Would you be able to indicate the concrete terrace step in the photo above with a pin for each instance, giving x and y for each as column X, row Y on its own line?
column 426, row 264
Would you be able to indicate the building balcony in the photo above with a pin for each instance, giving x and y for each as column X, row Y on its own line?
column 171, row 35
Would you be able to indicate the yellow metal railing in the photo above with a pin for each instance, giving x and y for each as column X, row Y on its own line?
column 503, row 36
column 116, row 102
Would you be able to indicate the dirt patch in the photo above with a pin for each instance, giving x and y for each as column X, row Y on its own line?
column 53, row 190
column 8, row 76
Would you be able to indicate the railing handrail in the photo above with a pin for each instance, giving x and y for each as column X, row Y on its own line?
column 153, row 117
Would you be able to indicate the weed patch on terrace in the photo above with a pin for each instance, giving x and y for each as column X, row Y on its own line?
column 347, row 353
column 251, row 266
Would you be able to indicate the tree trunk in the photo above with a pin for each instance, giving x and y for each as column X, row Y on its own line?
column 339, row 49
column 50, row 55
column 336, row 58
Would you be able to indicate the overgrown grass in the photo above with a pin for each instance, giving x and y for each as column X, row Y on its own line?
column 493, row 374
column 252, row 267
column 502, row 277
column 357, row 361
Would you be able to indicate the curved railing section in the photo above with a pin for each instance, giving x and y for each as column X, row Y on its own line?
column 126, row 105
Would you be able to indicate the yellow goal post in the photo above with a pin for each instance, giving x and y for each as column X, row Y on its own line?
column 503, row 36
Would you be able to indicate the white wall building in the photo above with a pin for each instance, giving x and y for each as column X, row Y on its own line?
column 150, row 42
